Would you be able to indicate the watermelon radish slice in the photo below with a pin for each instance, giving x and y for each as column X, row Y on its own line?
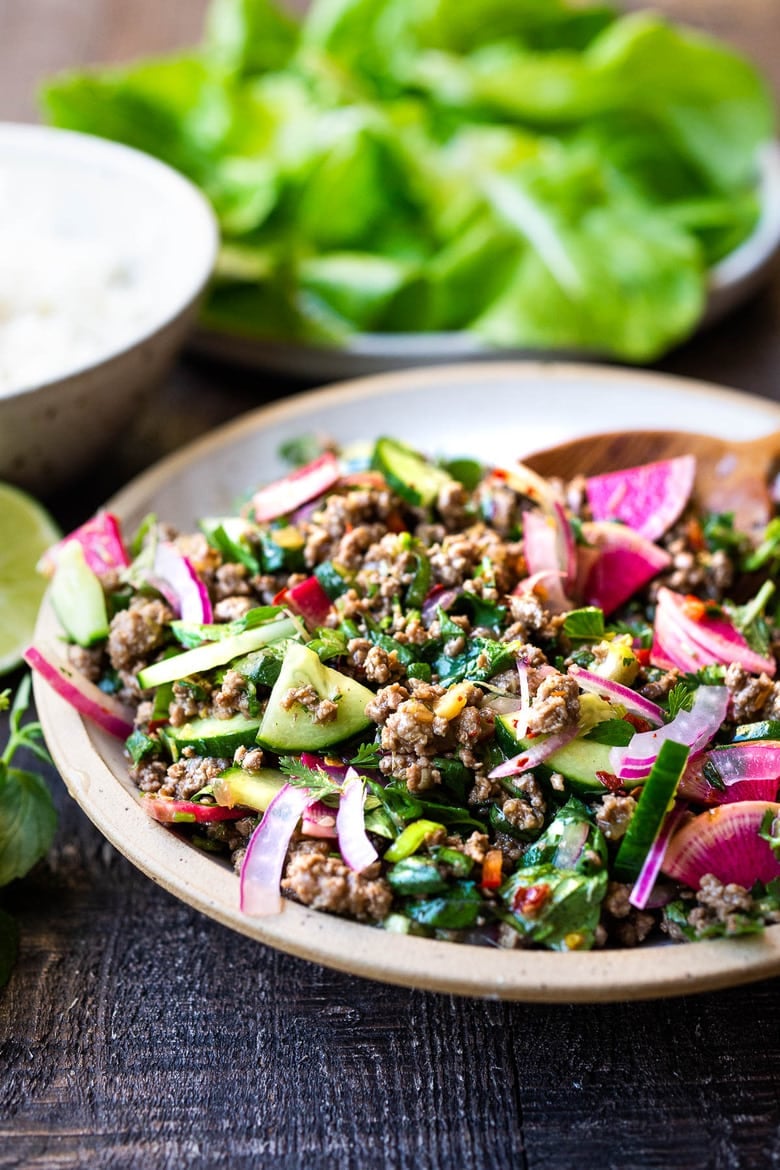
column 742, row 771
column 101, row 541
column 171, row 812
column 689, row 635
column 726, row 842
column 302, row 485
column 623, row 563
column 648, row 498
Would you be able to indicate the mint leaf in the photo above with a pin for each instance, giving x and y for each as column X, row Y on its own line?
column 27, row 823
column 586, row 623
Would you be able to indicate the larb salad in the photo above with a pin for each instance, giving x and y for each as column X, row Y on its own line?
column 449, row 699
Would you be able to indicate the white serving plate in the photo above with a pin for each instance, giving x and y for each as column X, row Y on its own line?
column 496, row 411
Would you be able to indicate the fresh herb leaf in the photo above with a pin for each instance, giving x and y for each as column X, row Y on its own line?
column 720, row 535
column 770, row 831
column 319, row 783
column 303, row 449
column 680, row 698
column 750, row 620
column 367, row 756
column 612, row 732
column 767, row 555
column 584, row 624
column 328, row 643
column 713, row 776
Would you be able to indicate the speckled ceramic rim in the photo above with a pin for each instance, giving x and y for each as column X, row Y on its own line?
column 95, row 772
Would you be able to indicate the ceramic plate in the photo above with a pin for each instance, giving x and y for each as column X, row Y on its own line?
column 733, row 280
column 496, row 411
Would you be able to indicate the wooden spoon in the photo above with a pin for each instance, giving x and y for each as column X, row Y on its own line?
column 730, row 477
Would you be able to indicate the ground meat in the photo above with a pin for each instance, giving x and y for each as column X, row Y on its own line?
column 191, row 773
column 231, row 580
column 451, row 504
column 188, row 703
column 530, row 619
column 232, row 697
column 509, row 846
column 525, row 812
column 149, row 775
column 204, row 559
column 660, row 687
column 373, row 662
column 87, row 662
column 232, row 834
column 719, row 904
column 623, row 923
column 614, row 814
column 556, row 705
column 475, row 846
column 752, row 697
column 321, row 710
column 484, row 790
column 317, row 879
column 331, row 532
column 136, row 632
column 249, row 758
column 385, row 702
column 231, row 609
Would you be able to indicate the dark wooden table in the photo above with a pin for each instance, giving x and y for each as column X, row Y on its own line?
column 137, row 1033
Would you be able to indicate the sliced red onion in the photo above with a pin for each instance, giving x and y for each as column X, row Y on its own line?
column 175, row 577
column 643, row 886
column 162, row 808
column 521, row 726
column 569, row 851
column 748, row 771
column 355, row 848
column 534, row 755
column 101, row 540
column 310, row 600
column 113, row 716
column 594, row 684
column 319, row 821
column 438, row 597
column 261, row 869
column 295, row 489
column 695, row 728
column 547, row 586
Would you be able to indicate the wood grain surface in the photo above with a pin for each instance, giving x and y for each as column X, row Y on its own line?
column 136, row 1033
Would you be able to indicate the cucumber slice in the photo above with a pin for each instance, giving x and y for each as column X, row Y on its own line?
column 253, row 789
column 204, row 658
column 294, row 729
column 410, row 476
column 262, row 667
column 78, row 598
column 654, row 803
column 579, row 762
column 211, row 737
column 765, row 729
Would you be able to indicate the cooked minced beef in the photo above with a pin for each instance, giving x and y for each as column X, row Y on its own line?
column 320, row 879
column 434, row 608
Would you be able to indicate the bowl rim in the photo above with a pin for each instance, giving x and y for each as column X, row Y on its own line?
column 52, row 145
column 84, row 754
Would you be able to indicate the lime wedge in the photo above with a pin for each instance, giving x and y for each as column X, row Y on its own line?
column 26, row 531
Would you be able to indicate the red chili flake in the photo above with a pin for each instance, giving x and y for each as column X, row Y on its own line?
column 282, row 597
column 694, row 608
column 610, row 781
column 529, row 900
column 642, row 656
column 638, row 722
column 499, row 473
column 395, row 522
column 694, row 535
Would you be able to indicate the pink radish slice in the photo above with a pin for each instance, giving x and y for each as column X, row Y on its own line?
column 310, row 600
column 355, row 848
column 705, row 637
column 175, row 577
column 748, row 771
column 296, row 489
column 648, row 498
column 101, row 540
column 261, row 870
column 161, row 808
column 624, row 565
column 724, row 841
column 82, row 694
